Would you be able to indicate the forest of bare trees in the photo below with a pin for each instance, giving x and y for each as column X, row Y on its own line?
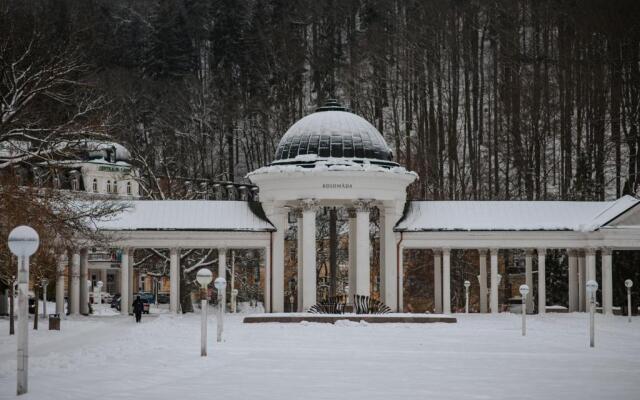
column 492, row 99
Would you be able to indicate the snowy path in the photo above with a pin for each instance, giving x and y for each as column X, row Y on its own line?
column 481, row 357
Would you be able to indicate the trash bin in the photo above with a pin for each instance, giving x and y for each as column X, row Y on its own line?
column 54, row 322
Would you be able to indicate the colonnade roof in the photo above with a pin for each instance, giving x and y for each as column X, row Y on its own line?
column 189, row 215
column 579, row 216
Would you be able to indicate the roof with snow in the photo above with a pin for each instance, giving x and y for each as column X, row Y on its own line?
column 581, row 216
column 189, row 215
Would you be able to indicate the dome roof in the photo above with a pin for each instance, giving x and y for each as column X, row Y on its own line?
column 332, row 133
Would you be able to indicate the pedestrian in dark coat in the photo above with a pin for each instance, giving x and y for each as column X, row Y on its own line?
column 138, row 307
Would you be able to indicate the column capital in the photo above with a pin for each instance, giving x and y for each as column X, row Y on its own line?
column 297, row 212
column 445, row 251
column 494, row 251
column 74, row 249
column 363, row 205
column 572, row 252
column 222, row 250
column 482, row 252
column 309, row 204
column 605, row 251
column 589, row 252
column 528, row 252
column 437, row 252
column 541, row 252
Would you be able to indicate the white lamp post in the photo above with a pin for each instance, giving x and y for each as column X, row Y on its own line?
column 524, row 290
column 628, row 283
column 44, row 282
column 466, row 296
column 23, row 242
column 220, row 285
column 204, row 277
column 592, row 288
column 98, row 295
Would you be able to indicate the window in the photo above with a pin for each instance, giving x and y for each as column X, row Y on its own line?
column 129, row 188
column 108, row 186
column 115, row 186
column 95, row 185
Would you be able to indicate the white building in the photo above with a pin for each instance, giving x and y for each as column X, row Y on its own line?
column 335, row 158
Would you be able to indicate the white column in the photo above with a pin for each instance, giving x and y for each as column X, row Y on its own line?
column 437, row 281
column 528, row 274
column 267, row 279
column 222, row 270
column 353, row 229
column 133, row 283
column 62, row 261
column 494, row 281
column 309, row 253
column 174, row 279
column 222, row 262
column 446, row 281
column 363, row 273
column 103, row 278
column 573, row 281
column 389, row 280
column 607, row 284
column 483, row 280
column 582, row 282
column 590, row 257
column 84, row 276
column 74, row 306
column 400, row 260
column 279, row 220
column 542, row 287
column 299, row 256
column 124, row 283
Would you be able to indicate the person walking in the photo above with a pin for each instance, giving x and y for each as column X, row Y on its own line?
column 138, row 307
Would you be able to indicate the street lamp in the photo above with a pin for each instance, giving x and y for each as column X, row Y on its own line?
column 524, row 290
column 220, row 285
column 592, row 288
column 204, row 277
column 23, row 242
column 292, row 287
column 155, row 290
column 44, row 282
column 628, row 283
column 466, row 296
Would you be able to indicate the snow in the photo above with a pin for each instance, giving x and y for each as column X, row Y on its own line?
column 581, row 216
column 482, row 357
column 322, row 166
column 190, row 215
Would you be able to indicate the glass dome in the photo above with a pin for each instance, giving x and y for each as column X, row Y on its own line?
column 332, row 132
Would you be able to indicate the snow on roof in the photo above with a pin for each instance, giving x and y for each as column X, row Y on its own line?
column 332, row 164
column 191, row 215
column 581, row 216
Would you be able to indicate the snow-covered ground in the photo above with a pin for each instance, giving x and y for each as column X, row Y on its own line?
column 480, row 357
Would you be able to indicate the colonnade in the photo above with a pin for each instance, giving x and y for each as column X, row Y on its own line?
column 78, row 270
column 581, row 268
column 359, row 253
